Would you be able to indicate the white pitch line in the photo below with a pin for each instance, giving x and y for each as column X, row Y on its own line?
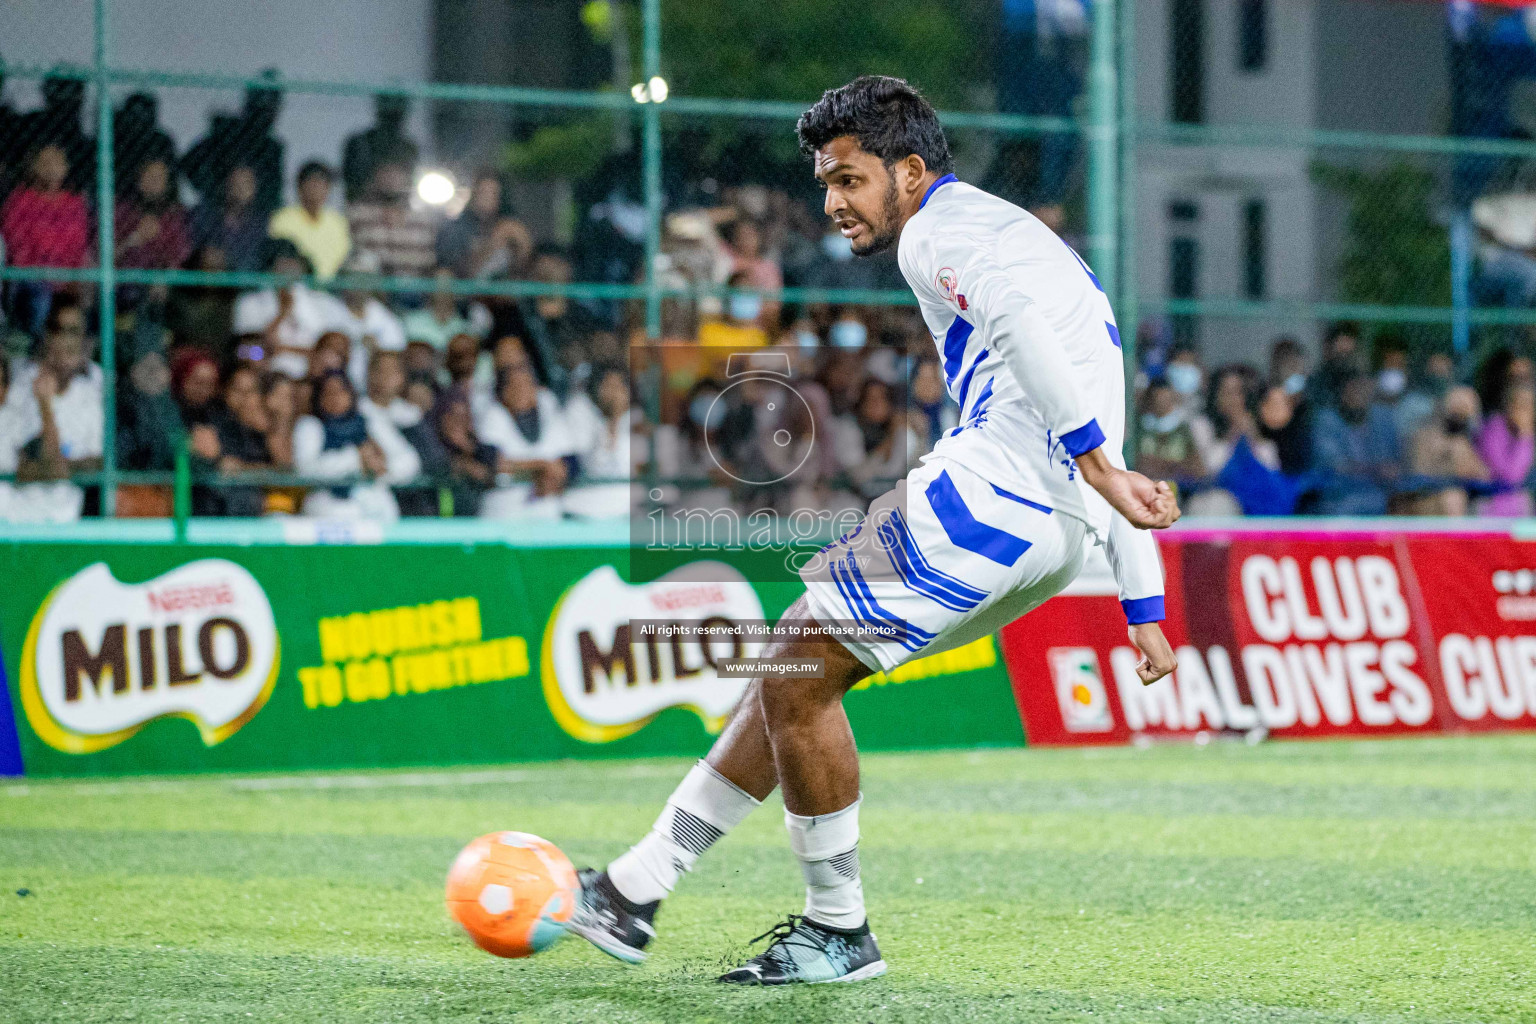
column 300, row 782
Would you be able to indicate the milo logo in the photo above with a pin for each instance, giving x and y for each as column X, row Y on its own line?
column 102, row 658
column 603, row 682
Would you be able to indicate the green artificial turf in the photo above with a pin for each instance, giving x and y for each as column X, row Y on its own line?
column 1370, row 881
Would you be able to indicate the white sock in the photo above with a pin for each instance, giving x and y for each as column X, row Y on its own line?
column 704, row 807
column 828, row 848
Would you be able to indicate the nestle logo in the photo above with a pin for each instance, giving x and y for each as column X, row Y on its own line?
column 677, row 598
column 1514, row 581
column 192, row 597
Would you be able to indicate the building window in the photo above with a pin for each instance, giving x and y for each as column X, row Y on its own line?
column 1186, row 51
column 1183, row 265
column 1252, row 35
column 1255, row 232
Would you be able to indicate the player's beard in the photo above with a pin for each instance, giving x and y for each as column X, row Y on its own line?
column 886, row 235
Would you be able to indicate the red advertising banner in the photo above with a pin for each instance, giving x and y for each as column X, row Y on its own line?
column 1300, row 634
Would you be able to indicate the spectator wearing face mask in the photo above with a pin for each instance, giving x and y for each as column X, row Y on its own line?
column 1426, row 390
column 1165, row 445
column 1443, row 450
column 1356, row 448
column 848, row 331
column 692, row 458
column 742, row 326
column 1293, row 439
column 1507, row 443
column 1341, row 362
column 1184, row 374
column 1391, row 371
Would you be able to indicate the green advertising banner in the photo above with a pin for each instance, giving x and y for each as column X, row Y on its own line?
column 150, row 657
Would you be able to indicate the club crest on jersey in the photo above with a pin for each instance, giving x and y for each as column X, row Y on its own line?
column 949, row 283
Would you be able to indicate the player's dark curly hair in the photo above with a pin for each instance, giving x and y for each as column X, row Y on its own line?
column 890, row 118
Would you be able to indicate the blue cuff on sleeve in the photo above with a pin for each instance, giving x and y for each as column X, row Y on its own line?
column 1084, row 439
column 1143, row 609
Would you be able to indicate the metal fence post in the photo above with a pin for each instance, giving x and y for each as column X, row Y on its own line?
column 181, row 490
column 1126, row 312
column 651, row 133
column 1103, row 170
column 105, row 210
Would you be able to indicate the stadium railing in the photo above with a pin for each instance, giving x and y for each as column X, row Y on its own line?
column 1117, row 141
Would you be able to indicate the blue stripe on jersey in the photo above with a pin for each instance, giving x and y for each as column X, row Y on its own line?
column 935, row 187
column 921, row 577
column 1023, row 500
column 1086, row 269
column 968, row 532
column 1084, row 439
column 954, row 346
column 965, row 382
column 861, row 600
column 1143, row 609
column 1114, row 333
column 980, row 408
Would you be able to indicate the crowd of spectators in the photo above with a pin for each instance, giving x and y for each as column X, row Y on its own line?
column 1366, row 431
column 413, row 403
column 316, row 396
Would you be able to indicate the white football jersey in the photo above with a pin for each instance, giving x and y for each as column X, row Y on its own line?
column 1031, row 354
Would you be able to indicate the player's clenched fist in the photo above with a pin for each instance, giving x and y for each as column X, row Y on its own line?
column 1157, row 658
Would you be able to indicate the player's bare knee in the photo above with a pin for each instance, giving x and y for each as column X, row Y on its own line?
column 786, row 699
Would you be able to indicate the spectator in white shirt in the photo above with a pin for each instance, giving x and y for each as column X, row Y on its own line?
column 289, row 319
column 601, row 426
column 55, row 426
column 528, row 428
column 386, row 392
column 372, row 326
column 14, row 436
column 339, row 442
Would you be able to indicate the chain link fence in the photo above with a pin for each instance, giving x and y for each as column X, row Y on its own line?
column 1240, row 174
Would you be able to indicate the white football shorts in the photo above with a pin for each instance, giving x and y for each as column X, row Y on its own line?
column 941, row 560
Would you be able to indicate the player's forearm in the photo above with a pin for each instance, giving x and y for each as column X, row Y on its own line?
column 1096, row 469
column 1138, row 570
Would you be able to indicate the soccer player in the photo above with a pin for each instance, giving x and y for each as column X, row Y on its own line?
column 994, row 522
